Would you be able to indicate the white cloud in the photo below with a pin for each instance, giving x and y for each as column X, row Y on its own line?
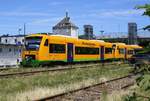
column 122, row 13
column 23, row 14
column 107, row 13
column 44, row 21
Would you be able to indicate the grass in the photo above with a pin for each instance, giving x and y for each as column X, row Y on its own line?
column 119, row 95
column 140, row 94
column 116, row 95
column 48, row 83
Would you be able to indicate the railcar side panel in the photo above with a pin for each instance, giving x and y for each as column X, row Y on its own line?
column 85, row 50
column 108, row 51
column 120, row 51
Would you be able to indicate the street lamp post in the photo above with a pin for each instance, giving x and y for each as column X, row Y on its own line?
column 24, row 29
column 19, row 30
column 102, row 31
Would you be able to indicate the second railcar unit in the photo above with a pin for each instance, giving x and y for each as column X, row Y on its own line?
column 123, row 51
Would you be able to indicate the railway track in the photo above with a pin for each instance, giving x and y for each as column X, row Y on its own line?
column 93, row 92
column 56, row 65
column 5, row 69
column 28, row 73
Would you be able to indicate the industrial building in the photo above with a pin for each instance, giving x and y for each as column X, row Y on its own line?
column 66, row 27
column 132, row 33
column 88, row 33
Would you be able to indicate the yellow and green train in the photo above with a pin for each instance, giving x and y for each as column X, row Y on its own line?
column 41, row 49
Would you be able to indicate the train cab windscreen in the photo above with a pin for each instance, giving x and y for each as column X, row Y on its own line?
column 32, row 43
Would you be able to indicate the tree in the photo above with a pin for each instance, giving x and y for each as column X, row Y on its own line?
column 146, row 8
column 143, row 81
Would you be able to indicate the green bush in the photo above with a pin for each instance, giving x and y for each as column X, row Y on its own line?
column 30, row 63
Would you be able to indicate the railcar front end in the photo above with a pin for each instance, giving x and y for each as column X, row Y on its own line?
column 32, row 49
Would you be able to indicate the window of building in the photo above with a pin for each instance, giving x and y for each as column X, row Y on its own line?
column 121, row 51
column 9, row 49
column 14, row 51
column 15, row 40
column 5, row 40
column 57, row 48
column 22, row 40
column 86, row 50
column 46, row 42
column 108, row 50
column 1, row 50
column 130, row 52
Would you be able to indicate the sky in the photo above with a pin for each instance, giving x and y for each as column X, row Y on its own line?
column 41, row 15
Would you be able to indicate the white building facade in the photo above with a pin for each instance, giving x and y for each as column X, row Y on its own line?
column 10, row 50
column 14, row 40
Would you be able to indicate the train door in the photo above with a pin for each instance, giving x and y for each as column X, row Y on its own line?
column 70, row 52
column 126, row 53
column 102, row 53
column 114, row 51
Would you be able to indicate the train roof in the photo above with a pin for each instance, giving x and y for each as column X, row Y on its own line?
column 119, row 43
column 98, row 40
column 135, row 46
column 64, row 36
column 73, row 39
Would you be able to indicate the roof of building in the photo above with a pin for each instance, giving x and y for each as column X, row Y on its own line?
column 65, row 23
column 1, row 44
column 7, row 35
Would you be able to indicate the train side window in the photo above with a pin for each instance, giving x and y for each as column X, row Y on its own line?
column 108, row 50
column 86, row 50
column 57, row 48
column 121, row 51
column 130, row 51
column 99, row 50
column 46, row 42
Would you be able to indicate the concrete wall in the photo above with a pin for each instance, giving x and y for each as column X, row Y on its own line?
column 9, row 54
column 69, row 32
column 74, row 32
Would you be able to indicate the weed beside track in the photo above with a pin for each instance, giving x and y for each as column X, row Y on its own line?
column 51, row 83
